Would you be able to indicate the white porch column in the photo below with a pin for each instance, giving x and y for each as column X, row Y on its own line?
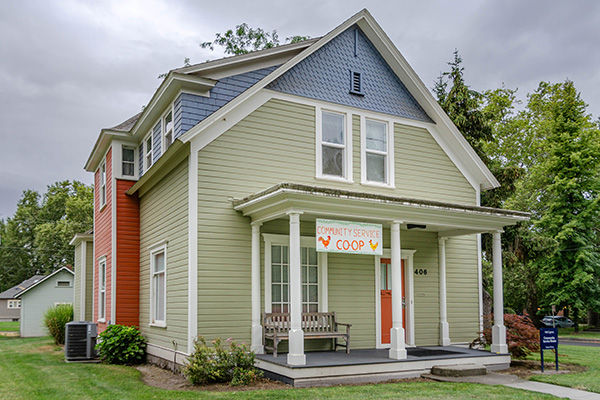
column 296, row 354
column 498, row 330
column 444, row 328
column 397, row 341
column 256, row 346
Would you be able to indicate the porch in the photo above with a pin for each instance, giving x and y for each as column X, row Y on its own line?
column 442, row 222
column 325, row 368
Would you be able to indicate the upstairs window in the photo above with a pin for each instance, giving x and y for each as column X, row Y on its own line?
column 103, row 184
column 128, row 161
column 377, row 164
column 333, row 159
column 168, row 130
column 63, row 284
column 148, row 153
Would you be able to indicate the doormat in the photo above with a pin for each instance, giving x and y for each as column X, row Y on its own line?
column 429, row 352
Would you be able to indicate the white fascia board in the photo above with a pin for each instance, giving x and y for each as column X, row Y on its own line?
column 81, row 237
column 268, row 57
column 457, row 148
column 173, row 84
column 101, row 147
column 256, row 88
column 424, row 97
column 45, row 279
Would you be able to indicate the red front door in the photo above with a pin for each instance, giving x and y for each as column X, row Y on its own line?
column 386, row 299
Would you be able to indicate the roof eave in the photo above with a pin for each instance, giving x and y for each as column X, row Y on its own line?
column 44, row 279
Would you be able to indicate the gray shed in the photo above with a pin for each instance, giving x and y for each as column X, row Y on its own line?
column 51, row 290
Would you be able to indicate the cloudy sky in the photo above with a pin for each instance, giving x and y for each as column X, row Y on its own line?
column 69, row 68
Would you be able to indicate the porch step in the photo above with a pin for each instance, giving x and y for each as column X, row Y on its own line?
column 458, row 370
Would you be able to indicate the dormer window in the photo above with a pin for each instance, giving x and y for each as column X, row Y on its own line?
column 128, row 161
column 168, row 130
column 148, row 153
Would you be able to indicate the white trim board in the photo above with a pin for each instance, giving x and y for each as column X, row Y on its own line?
column 408, row 279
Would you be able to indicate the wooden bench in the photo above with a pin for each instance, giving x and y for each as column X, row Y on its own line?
column 316, row 325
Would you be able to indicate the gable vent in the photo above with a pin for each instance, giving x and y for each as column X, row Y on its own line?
column 356, row 83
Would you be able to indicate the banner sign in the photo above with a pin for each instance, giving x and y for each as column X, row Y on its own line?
column 349, row 237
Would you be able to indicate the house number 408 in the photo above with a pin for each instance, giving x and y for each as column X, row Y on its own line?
column 420, row 271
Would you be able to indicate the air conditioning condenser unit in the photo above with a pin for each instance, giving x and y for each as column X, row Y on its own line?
column 80, row 340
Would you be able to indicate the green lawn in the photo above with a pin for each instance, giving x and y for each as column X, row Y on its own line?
column 569, row 333
column 582, row 355
column 9, row 326
column 34, row 368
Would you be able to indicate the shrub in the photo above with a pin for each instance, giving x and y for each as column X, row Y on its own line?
column 56, row 318
column 220, row 364
column 522, row 337
column 121, row 344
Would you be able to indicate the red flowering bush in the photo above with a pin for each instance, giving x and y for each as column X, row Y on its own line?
column 522, row 337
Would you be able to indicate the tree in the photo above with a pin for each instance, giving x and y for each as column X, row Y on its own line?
column 36, row 239
column 462, row 105
column 244, row 39
column 562, row 191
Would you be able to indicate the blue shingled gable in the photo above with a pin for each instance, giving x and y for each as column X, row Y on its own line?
column 326, row 75
column 191, row 109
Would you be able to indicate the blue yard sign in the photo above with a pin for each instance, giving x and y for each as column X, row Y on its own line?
column 549, row 341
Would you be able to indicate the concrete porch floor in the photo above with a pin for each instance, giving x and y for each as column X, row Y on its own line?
column 326, row 368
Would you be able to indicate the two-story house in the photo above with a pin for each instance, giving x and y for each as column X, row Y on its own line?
column 230, row 194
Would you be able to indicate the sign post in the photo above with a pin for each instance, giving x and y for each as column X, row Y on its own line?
column 549, row 341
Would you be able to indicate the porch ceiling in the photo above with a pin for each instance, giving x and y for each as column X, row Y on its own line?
column 317, row 202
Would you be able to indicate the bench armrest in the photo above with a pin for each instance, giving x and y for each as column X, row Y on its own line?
column 339, row 323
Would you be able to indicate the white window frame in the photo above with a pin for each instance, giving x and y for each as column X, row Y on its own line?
column 133, row 163
column 347, row 163
column 155, row 250
column 164, row 131
column 389, row 153
column 102, row 290
column 14, row 304
column 305, row 241
column 68, row 284
column 148, row 154
column 102, row 193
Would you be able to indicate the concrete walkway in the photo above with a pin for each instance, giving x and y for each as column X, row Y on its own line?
column 494, row 378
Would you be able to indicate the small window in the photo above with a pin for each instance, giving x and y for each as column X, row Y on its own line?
column 103, row 184
column 102, row 291
column 333, row 144
column 128, row 161
column 148, row 157
column 168, row 130
column 158, row 286
column 14, row 304
column 63, row 284
column 377, row 154
column 356, row 84
column 376, row 151
column 62, row 303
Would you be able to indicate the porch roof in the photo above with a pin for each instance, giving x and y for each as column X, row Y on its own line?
column 318, row 202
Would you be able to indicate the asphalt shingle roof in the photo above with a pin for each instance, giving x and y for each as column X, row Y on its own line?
column 15, row 290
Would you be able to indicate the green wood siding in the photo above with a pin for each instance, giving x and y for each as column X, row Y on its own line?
column 164, row 217
column 77, row 266
column 89, row 276
column 275, row 144
column 462, row 288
